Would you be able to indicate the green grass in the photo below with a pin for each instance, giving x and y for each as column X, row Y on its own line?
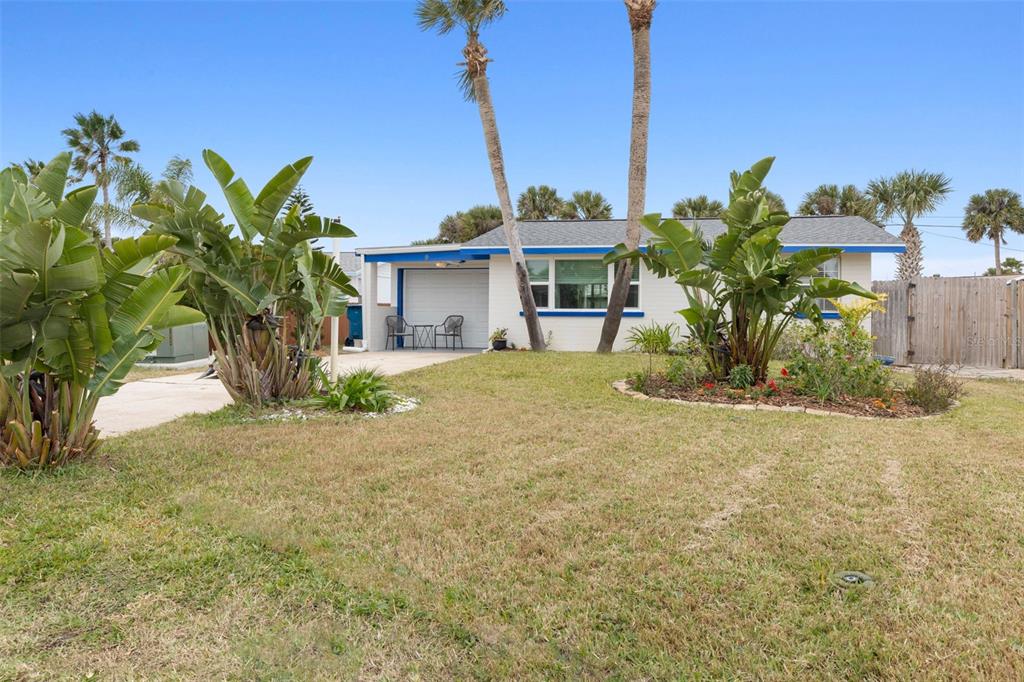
column 526, row 521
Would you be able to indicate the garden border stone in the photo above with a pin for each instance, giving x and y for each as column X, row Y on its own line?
column 623, row 387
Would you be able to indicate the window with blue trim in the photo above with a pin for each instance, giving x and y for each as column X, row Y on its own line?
column 576, row 283
column 829, row 268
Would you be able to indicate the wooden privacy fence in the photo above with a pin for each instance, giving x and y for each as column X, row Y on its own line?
column 954, row 320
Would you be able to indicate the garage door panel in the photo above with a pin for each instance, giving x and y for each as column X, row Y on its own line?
column 432, row 295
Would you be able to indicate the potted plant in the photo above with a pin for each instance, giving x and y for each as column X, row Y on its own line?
column 499, row 338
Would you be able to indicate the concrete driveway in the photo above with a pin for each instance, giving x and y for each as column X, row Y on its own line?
column 148, row 402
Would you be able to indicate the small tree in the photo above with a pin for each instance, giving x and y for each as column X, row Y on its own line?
column 539, row 202
column 742, row 290
column 247, row 280
column 699, row 206
column 991, row 215
column 74, row 318
column 98, row 144
column 586, row 205
column 836, row 200
column 908, row 195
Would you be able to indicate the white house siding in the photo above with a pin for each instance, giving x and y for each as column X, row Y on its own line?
column 660, row 301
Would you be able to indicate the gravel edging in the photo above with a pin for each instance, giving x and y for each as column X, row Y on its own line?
column 623, row 387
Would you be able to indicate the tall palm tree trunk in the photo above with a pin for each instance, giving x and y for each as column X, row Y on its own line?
column 104, row 182
column 640, row 15
column 996, row 238
column 476, row 63
column 910, row 263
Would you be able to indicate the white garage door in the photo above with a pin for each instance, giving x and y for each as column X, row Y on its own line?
column 432, row 295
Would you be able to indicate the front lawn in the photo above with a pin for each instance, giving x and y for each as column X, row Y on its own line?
column 526, row 521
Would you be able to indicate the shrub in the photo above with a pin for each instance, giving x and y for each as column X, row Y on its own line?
column 246, row 278
column 687, row 370
column 74, row 317
column 362, row 390
column 742, row 290
column 741, row 376
column 934, row 388
column 791, row 340
column 653, row 338
column 839, row 360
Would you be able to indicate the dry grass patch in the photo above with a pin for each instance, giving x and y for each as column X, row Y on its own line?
column 526, row 521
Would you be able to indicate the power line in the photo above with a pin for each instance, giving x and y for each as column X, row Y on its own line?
column 949, row 236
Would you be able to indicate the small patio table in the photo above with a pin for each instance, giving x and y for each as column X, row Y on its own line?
column 423, row 334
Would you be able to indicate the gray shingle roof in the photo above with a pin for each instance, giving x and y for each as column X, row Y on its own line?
column 802, row 230
column 349, row 261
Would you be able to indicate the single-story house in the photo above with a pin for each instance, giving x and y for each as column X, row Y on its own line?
column 570, row 283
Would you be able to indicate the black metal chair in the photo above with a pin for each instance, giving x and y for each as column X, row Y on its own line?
column 398, row 328
column 450, row 328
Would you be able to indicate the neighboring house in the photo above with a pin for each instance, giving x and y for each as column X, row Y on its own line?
column 570, row 283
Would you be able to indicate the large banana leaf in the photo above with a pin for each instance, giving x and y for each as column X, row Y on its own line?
column 148, row 302
column 237, row 193
column 76, row 205
column 112, row 368
column 272, row 197
column 53, row 177
column 127, row 253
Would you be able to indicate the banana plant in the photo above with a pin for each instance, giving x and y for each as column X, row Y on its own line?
column 742, row 290
column 74, row 318
column 247, row 276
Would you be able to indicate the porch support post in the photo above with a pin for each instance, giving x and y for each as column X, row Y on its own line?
column 374, row 335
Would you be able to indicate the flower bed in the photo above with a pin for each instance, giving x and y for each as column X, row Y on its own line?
column 781, row 397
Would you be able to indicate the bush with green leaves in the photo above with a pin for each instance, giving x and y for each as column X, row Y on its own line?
column 934, row 389
column 838, row 359
column 247, row 277
column 742, row 290
column 360, row 390
column 652, row 339
column 686, row 370
column 74, row 317
column 741, row 376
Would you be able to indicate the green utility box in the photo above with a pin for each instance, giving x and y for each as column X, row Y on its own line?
column 182, row 344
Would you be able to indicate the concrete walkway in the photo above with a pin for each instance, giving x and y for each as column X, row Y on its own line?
column 148, row 402
column 969, row 372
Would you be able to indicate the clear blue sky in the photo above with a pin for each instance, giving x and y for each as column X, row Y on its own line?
column 839, row 92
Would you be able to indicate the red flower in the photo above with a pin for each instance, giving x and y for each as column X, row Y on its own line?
column 709, row 385
column 784, row 372
column 772, row 386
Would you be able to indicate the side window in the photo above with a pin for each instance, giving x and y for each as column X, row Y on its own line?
column 540, row 274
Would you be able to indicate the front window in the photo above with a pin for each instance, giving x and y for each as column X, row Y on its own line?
column 633, row 298
column 581, row 284
column 540, row 275
column 829, row 268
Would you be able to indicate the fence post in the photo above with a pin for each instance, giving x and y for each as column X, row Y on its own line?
column 911, row 291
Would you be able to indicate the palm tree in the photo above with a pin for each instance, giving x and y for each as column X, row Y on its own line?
column 30, row 166
column 699, row 206
column 444, row 16
column 98, row 143
column 776, row 204
column 466, row 225
column 539, row 202
column 587, row 205
column 991, row 215
column 835, row 200
column 640, row 13
column 908, row 195
column 134, row 184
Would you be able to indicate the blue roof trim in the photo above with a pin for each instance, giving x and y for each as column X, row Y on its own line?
column 878, row 248
column 485, row 252
column 583, row 313
column 825, row 315
column 422, row 256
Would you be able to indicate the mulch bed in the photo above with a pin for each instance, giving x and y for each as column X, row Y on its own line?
column 898, row 408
